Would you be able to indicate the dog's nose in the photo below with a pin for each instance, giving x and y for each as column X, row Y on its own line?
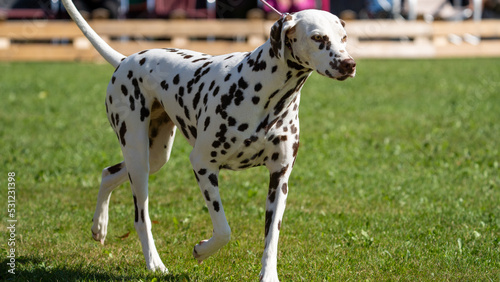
column 347, row 66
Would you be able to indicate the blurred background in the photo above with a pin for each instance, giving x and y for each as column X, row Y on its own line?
column 41, row 29
column 346, row 9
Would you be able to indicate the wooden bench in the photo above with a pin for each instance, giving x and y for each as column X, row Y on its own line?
column 466, row 33
column 418, row 39
column 62, row 40
column 44, row 40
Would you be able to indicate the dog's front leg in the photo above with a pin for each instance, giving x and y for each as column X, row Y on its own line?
column 275, row 207
column 209, row 185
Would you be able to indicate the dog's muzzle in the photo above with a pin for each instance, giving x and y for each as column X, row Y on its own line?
column 347, row 68
column 344, row 69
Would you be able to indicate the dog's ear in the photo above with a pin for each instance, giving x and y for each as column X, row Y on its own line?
column 278, row 35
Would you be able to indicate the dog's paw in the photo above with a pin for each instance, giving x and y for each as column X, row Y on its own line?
column 98, row 236
column 268, row 277
column 99, row 229
column 158, row 267
column 206, row 248
column 200, row 254
column 153, row 260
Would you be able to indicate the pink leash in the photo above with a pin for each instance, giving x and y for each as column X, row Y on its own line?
column 272, row 8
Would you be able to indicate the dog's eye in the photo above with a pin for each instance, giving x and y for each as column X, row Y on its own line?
column 344, row 39
column 317, row 37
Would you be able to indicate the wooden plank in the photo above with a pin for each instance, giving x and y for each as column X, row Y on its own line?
column 134, row 28
column 39, row 29
column 218, row 28
column 169, row 28
column 387, row 29
column 389, row 49
column 485, row 28
column 4, row 43
column 485, row 49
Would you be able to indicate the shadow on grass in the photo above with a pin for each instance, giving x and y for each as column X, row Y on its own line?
column 36, row 269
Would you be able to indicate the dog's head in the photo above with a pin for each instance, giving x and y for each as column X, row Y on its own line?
column 314, row 39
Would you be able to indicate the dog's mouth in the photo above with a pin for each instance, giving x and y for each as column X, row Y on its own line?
column 346, row 76
column 340, row 77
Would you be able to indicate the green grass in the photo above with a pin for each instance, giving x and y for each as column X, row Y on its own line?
column 397, row 178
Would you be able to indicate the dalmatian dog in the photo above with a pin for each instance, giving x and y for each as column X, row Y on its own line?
column 237, row 111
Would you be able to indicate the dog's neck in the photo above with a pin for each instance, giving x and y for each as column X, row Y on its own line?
column 281, row 78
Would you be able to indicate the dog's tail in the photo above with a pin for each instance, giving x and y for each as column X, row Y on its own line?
column 111, row 55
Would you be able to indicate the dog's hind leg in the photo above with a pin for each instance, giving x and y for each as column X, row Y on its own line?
column 135, row 148
column 161, row 139
column 112, row 177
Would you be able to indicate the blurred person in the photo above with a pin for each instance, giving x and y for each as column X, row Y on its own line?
column 379, row 9
column 447, row 10
column 230, row 9
column 347, row 9
column 137, row 9
column 98, row 9
column 463, row 3
column 181, row 9
column 291, row 6
column 491, row 9
column 173, row 9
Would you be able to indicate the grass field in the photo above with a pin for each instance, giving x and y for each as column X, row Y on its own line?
column 397, row 179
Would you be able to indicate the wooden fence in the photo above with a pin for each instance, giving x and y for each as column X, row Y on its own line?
column 63, row 41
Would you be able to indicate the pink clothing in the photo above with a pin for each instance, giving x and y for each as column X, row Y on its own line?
column 290, row 6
